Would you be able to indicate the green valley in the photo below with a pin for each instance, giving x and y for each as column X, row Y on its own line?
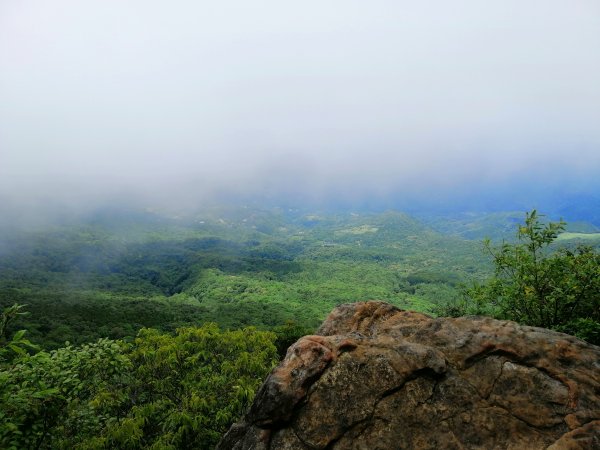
column 115, row 272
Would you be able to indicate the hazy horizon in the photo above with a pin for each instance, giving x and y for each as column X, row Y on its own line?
column 173, row 103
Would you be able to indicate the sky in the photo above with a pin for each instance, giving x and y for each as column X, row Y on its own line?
column 172, row 100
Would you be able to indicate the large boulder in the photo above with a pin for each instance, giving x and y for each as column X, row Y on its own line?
column 376, row 377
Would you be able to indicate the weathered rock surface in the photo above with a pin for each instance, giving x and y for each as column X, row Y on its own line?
column 375, row 377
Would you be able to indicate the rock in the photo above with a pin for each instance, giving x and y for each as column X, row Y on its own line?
column 375, row 377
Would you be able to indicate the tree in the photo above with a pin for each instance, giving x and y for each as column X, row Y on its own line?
column 187, row 389
column 55, row 400
column 538, row 285
column 162, row 391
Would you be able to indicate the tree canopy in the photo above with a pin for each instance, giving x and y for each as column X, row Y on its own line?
column 536, row 283
column 180, row 390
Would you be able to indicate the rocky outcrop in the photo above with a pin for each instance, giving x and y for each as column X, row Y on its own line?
column 375, row 377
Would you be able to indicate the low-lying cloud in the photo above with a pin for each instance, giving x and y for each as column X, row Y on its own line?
column 182, row 99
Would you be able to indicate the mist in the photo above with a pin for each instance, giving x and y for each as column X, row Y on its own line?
column 391, row 103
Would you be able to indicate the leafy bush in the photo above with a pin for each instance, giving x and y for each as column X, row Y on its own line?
column 47, row 399
column 17, row 345
column 187, row 389
column 163, row 391
column 586, row 329
column 288, row 334
column 537, row 286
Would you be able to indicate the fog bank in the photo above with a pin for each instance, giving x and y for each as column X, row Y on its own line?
column 179, row 102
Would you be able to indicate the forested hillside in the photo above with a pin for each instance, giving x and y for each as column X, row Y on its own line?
column 111, row 273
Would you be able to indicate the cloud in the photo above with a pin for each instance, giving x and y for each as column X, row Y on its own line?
column 103, row 97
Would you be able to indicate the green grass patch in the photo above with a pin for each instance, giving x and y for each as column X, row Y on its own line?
column 567, row 236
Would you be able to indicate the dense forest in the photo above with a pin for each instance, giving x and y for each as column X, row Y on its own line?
column 115, row 272
column 138, row 329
